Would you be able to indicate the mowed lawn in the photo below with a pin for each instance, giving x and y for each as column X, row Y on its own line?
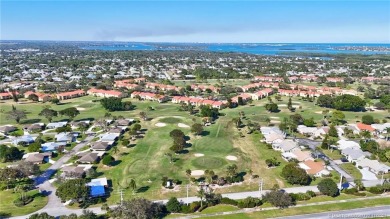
column 7, row 206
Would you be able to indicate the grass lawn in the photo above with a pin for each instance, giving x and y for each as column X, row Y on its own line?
column 334, row 155
column 306, row 210
column 351, row 169
column 7, row 206
column 219, row 208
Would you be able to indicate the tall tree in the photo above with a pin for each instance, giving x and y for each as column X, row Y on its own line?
column 70, row 112
column 328, row 187
column 48, row 114
column 17, row 115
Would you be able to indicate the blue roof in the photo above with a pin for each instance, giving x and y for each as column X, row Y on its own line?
column 97, row 191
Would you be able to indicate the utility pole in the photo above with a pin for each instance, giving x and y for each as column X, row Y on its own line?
column 188, row 186
column 341, row 181
column 382, row 178
column 121, row 193
column 261, row 182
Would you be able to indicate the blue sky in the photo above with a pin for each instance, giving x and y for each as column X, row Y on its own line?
column 197, row 21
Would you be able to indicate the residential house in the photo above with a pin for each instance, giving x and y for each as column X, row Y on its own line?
column 100, row 146
column 105, row 93
column 52, row 146
column 5, row 96
column 66, row 137
column 28, row 139
column 109, row 137
column 97, row 187
column 34, row 127
column 71, row 94
column 343, row 144
column 37, row 158
column 354, row 154
column 42, row 97
column 78, row 171
column 373, row 166
column 364, row 127
column 312, row 167
column 284, row 146
column 5, row 129
column 89, row 157
column 54, row 125
column 302, row 156
column 273, row 137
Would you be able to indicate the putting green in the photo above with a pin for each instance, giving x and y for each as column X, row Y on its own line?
column 208, row 162
column 170, row 120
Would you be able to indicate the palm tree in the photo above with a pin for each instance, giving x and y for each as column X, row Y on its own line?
column 201, row 194
column 115, row 149
column 388, row 133
column 188, row 173
column 143, row 115
column 132, row 185
column 359, row 184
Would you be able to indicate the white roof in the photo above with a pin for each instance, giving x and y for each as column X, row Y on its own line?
column 98, row 182
column 343, row 144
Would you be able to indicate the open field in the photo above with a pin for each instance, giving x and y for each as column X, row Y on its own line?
column 7, row 206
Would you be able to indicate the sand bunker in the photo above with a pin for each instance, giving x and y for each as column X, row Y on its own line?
column 198, row 155
column 230, row 157
column 80, row 108
column 197, row 172
column 274, row 121
column 319, row 112
column 182, row 125
column 274, row 117
column 160, row 124
column 295, row 106
column 282, row 105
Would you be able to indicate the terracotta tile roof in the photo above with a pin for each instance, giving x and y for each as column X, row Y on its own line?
column 315, row 167
column 362, row 126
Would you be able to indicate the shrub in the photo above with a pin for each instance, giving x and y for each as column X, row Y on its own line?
column 350, row 191
column 376, row 190
column 249, row 202
column 173, row 205
column 185, row 209
column 311, row 193
column 202, row 208
column 194, row 206
column 300, row 196
column 20, row 202
column 228, row 201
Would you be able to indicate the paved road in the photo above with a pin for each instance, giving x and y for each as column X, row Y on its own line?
column 42, row 181
column 371, row 212
column 313, row 145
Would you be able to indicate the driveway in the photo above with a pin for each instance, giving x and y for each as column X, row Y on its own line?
column 367, row 175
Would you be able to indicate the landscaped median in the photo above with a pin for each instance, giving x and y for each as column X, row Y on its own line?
column 300, row 208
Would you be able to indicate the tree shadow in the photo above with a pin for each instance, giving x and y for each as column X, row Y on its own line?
column 205, row 133
column 115, row 163
column 88, row 118
column 185, row 151
column 143, row 189
column 30, row 121
column 187, row 138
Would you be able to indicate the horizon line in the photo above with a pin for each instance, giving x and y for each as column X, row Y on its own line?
column 116, row 41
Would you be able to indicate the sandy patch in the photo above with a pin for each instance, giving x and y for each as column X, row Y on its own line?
column 274, row 117
column 275, row 121
column 198, row 155
column 295, row 106
column 197, row 172
column 318, row 112
column 182, row 125
column 296, row 102
column 282, row 105
column 160, row 124
column 80, row 108
column 230, row 157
